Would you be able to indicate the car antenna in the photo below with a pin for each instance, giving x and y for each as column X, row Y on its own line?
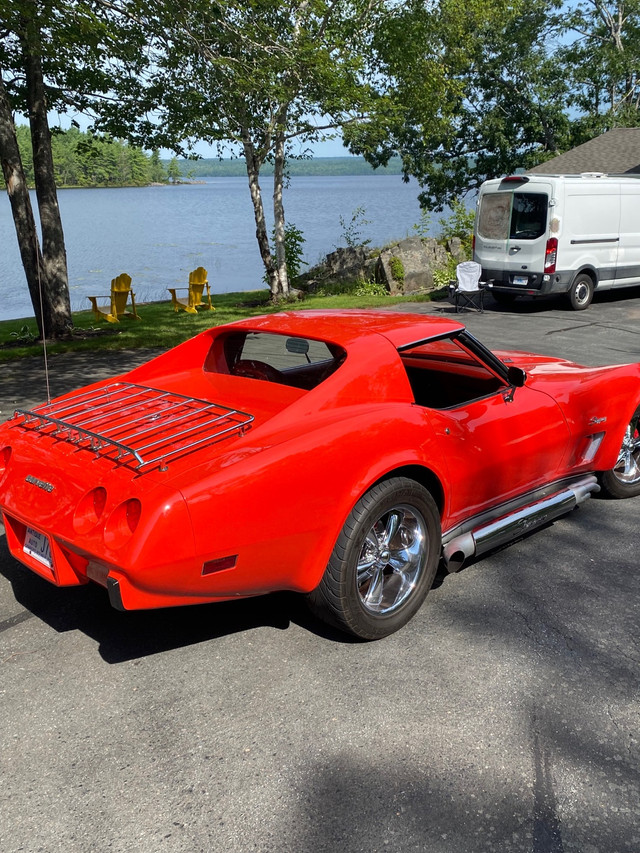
column 44, row 332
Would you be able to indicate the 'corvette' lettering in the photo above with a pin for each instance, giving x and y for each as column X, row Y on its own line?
column 41, row 484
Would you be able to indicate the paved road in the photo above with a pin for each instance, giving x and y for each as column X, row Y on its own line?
column 504, row 717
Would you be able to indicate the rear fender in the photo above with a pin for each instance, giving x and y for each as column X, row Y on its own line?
column 281, row 509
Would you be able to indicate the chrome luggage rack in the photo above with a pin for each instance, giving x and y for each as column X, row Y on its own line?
column 135, row 423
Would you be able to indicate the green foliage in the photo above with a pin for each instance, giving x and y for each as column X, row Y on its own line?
column 88, row 160
column 293, row 251
column 208, row 167
column 174, row 172
column 352, row 228
column 459, row 224
column 25, row 335
column 481, row 89
column 259, row 80
column 423, row 228
column 397, row 269
column 443, row 275
column 371, row 288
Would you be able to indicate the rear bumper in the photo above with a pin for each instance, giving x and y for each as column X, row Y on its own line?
column 536, row 284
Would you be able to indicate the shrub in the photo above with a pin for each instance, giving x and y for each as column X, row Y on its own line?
column 352, row 230
column 371, row 288
column 397, row 269
column 458, row 224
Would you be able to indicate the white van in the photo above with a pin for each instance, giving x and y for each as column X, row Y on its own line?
column 573, row 234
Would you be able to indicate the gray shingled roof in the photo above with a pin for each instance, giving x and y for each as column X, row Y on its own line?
column 616, row 152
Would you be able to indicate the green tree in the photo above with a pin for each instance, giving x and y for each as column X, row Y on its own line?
column 476, row 94
column 602, row 61
column 260, row 79
column 157, row 172
column 174, row 173
column 54, row 54
column 22, row 45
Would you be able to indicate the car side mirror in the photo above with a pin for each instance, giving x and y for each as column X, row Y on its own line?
column 516, row 376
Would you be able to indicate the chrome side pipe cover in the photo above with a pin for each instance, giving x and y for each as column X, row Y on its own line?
column 516, row 523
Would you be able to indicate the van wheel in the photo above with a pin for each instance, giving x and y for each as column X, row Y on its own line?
column 581, row 292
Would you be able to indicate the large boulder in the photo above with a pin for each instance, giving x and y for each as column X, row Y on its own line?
column 347, row 263
column 407, row 267
column 457, row 250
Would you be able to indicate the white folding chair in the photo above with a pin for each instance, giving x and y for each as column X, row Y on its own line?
column 468, row 292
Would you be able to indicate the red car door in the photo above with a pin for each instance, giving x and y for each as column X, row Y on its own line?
column 498, row 441
column 499, row 447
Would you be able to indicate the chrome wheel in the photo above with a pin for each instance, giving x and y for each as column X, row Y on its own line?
column 391, row 559
column 623, row 480
column 627, row 468
column 383, row 563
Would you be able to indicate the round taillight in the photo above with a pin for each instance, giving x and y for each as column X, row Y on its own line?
column 89, row 511
column 5, row 456
column 122, row 523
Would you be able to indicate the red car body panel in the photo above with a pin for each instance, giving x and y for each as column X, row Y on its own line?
column 260, row 510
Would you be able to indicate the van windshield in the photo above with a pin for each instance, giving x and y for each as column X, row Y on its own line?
column 521, row 216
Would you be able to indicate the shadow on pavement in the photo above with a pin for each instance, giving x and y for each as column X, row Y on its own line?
column 138, row 633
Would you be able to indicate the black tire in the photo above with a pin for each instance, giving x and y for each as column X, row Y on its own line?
column 504, row 298
column 623, row 481
column 581, row 292
column 383, row 563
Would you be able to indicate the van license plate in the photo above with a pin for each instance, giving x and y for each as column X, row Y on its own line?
column 520, row 279
column 37, row 545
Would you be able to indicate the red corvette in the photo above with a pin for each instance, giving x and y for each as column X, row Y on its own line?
column 338, row 454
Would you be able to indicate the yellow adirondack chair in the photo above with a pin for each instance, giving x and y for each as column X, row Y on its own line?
column 195, row 298
column 120, row 292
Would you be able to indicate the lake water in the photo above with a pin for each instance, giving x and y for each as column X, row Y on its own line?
column 158, row 234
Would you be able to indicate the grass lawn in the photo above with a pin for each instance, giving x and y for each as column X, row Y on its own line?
column 160, row 326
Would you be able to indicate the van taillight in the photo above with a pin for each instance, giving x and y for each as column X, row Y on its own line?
column 551, row 255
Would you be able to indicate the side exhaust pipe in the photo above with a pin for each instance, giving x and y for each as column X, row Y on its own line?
column 511, row 526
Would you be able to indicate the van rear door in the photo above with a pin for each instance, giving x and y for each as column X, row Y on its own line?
column 512, row 229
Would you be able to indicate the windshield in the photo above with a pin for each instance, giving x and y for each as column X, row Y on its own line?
column 506, row 215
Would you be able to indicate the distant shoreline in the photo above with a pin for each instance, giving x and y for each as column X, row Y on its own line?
column 211, row 167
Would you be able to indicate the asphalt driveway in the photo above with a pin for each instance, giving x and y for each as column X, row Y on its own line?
column 504, row 717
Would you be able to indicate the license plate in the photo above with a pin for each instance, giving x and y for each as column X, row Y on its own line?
column 37, row 545
column 520, row 279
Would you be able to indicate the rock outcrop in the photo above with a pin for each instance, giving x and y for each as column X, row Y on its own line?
column 406, row 267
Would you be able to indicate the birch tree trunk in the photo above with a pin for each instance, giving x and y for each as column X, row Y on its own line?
column 21, row 209
column 253, row 164
column 278, row 215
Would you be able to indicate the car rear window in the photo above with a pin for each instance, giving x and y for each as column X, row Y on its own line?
column 285, row 359
column 515, row 216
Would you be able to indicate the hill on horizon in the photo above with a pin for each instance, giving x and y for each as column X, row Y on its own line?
column 212, row 167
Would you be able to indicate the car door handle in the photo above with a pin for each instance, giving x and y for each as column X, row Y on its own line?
column 514, row 249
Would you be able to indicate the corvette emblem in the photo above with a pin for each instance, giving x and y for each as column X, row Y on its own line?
column 41, row 484
column 595, row 420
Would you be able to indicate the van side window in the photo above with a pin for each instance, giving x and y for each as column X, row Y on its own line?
column 521, row 216
column 529, row 216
